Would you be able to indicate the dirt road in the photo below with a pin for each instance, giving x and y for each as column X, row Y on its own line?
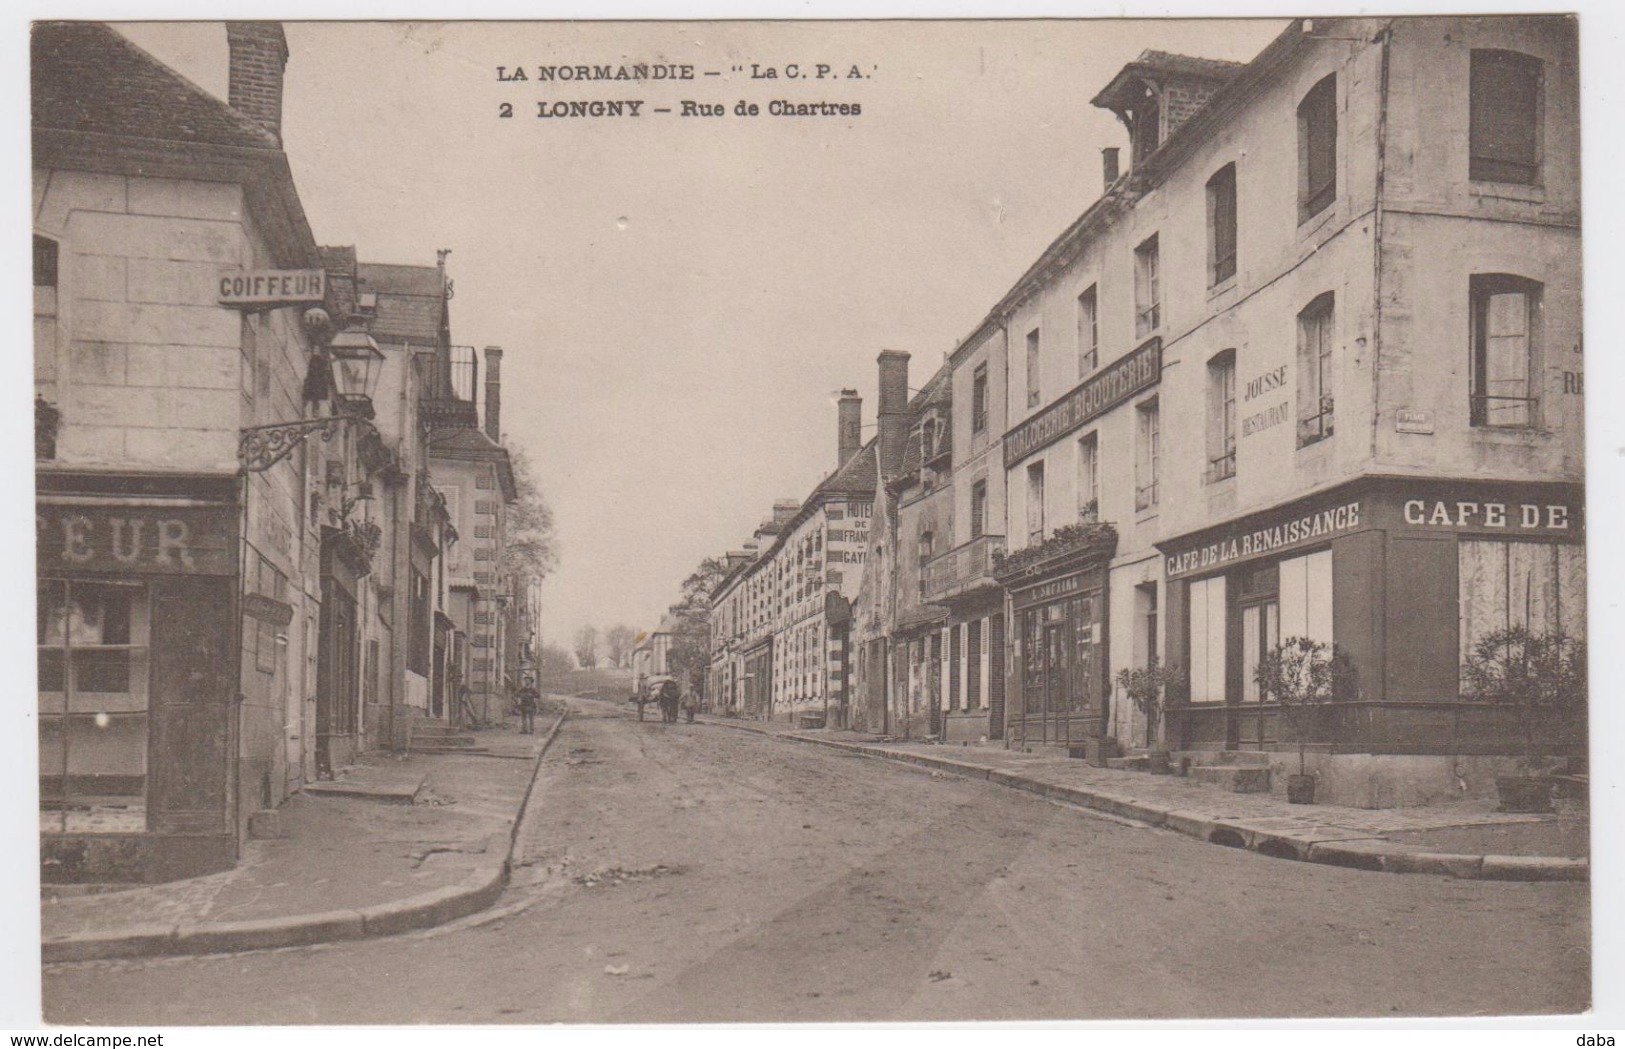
column 701, row 873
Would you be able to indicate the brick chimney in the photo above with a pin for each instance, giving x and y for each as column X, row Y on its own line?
column 784, row 510
column 493, row 393
column 893, row 414
column 259, row 54
column 848, row 427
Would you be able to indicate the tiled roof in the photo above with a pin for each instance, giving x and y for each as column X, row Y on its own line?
column 462, row 439
column 86, row 77
column 409, row 301
column 1188, row 65
column 856, row 477
column 402, row 280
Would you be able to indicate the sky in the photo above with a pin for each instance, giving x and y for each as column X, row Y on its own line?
column 681, row 299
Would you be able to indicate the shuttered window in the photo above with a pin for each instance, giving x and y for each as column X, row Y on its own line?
column 1317, row 149
column 1504, row 117
column 1221, row 218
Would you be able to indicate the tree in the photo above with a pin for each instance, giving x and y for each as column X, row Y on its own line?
column 690, row 655
column 1302, row 674
column 530, row 547
column 555, row 661
column 1542, row 677
column 586, row 647
column 618, row 642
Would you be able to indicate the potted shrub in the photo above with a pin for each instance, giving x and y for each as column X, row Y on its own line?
column 1542, row 677
column 1301, row 675
column 1149, row 688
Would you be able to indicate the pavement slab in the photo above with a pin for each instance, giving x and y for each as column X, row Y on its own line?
column 356, row 857
column 1528, row 846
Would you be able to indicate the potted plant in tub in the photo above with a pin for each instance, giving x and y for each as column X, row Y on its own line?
column 1301, row 675
column 1149, row 688
column 1543, row 678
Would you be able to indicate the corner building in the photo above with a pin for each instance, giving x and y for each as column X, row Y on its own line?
column 1320, row 355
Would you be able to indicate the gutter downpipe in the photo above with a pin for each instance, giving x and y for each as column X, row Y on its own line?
column 1385, row 38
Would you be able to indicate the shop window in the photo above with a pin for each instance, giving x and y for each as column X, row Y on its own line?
column 1035, row 504
column 1538, row 586
column 1148, row 456
column 1034, row 387
column 1147, row 288
column 1306, row 596
column 978, row 509
column 1207, row 611
column 1221, row 225
column 1315, row 375
column 92, row 640
column 1221, row 416
column 1505, row 318
column 978, row 412
column 1317, row 149
column 1504, row 117
column 1089, row 478
column 1088, row 332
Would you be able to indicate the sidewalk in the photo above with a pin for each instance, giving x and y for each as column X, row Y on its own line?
column 1466, row 838
column 394, row 843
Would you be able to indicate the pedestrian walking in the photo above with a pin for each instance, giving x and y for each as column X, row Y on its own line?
column 528, row 700
column 691, row 704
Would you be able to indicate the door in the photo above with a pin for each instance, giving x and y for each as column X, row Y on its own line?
column 1059, row 664
column 1260, row 632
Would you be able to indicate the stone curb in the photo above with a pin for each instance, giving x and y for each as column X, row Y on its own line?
column 477, row 891
column 1371, row 854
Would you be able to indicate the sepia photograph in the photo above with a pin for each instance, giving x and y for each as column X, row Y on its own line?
column 772, row 521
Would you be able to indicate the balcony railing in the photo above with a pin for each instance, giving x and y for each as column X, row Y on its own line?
column 961, row 569
column 447, row 381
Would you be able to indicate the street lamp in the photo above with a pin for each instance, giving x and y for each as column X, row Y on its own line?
column 351, row 372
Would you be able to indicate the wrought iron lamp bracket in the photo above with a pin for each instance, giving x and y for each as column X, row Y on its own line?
column 262, row 447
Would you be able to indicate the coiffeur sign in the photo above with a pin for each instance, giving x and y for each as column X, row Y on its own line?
column 272, row 287
column 117, row 539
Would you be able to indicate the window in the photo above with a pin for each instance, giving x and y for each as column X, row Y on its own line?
column 417, row 656
column 1306, row 596
column 1088, row 332
column 1315, row 371
column 45, row 251
column 1147, row 289
column 1206, row 611
column 1035, row 504
column 1148, row 456
column 1504, row 118
column 975, row 696
column 1033, row 385
column 1539, row 586
column 978, row 509
column 928, row 542
column 978, row 399
column 1317, row 149
column 1221, row 416
column 1147, row 647
column 92, row 642
column 1221, row 225
column 1505, row 314
column 1089, row 478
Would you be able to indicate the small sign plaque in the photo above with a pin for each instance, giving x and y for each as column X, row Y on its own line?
column 272, row 287
column 1410, row 420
